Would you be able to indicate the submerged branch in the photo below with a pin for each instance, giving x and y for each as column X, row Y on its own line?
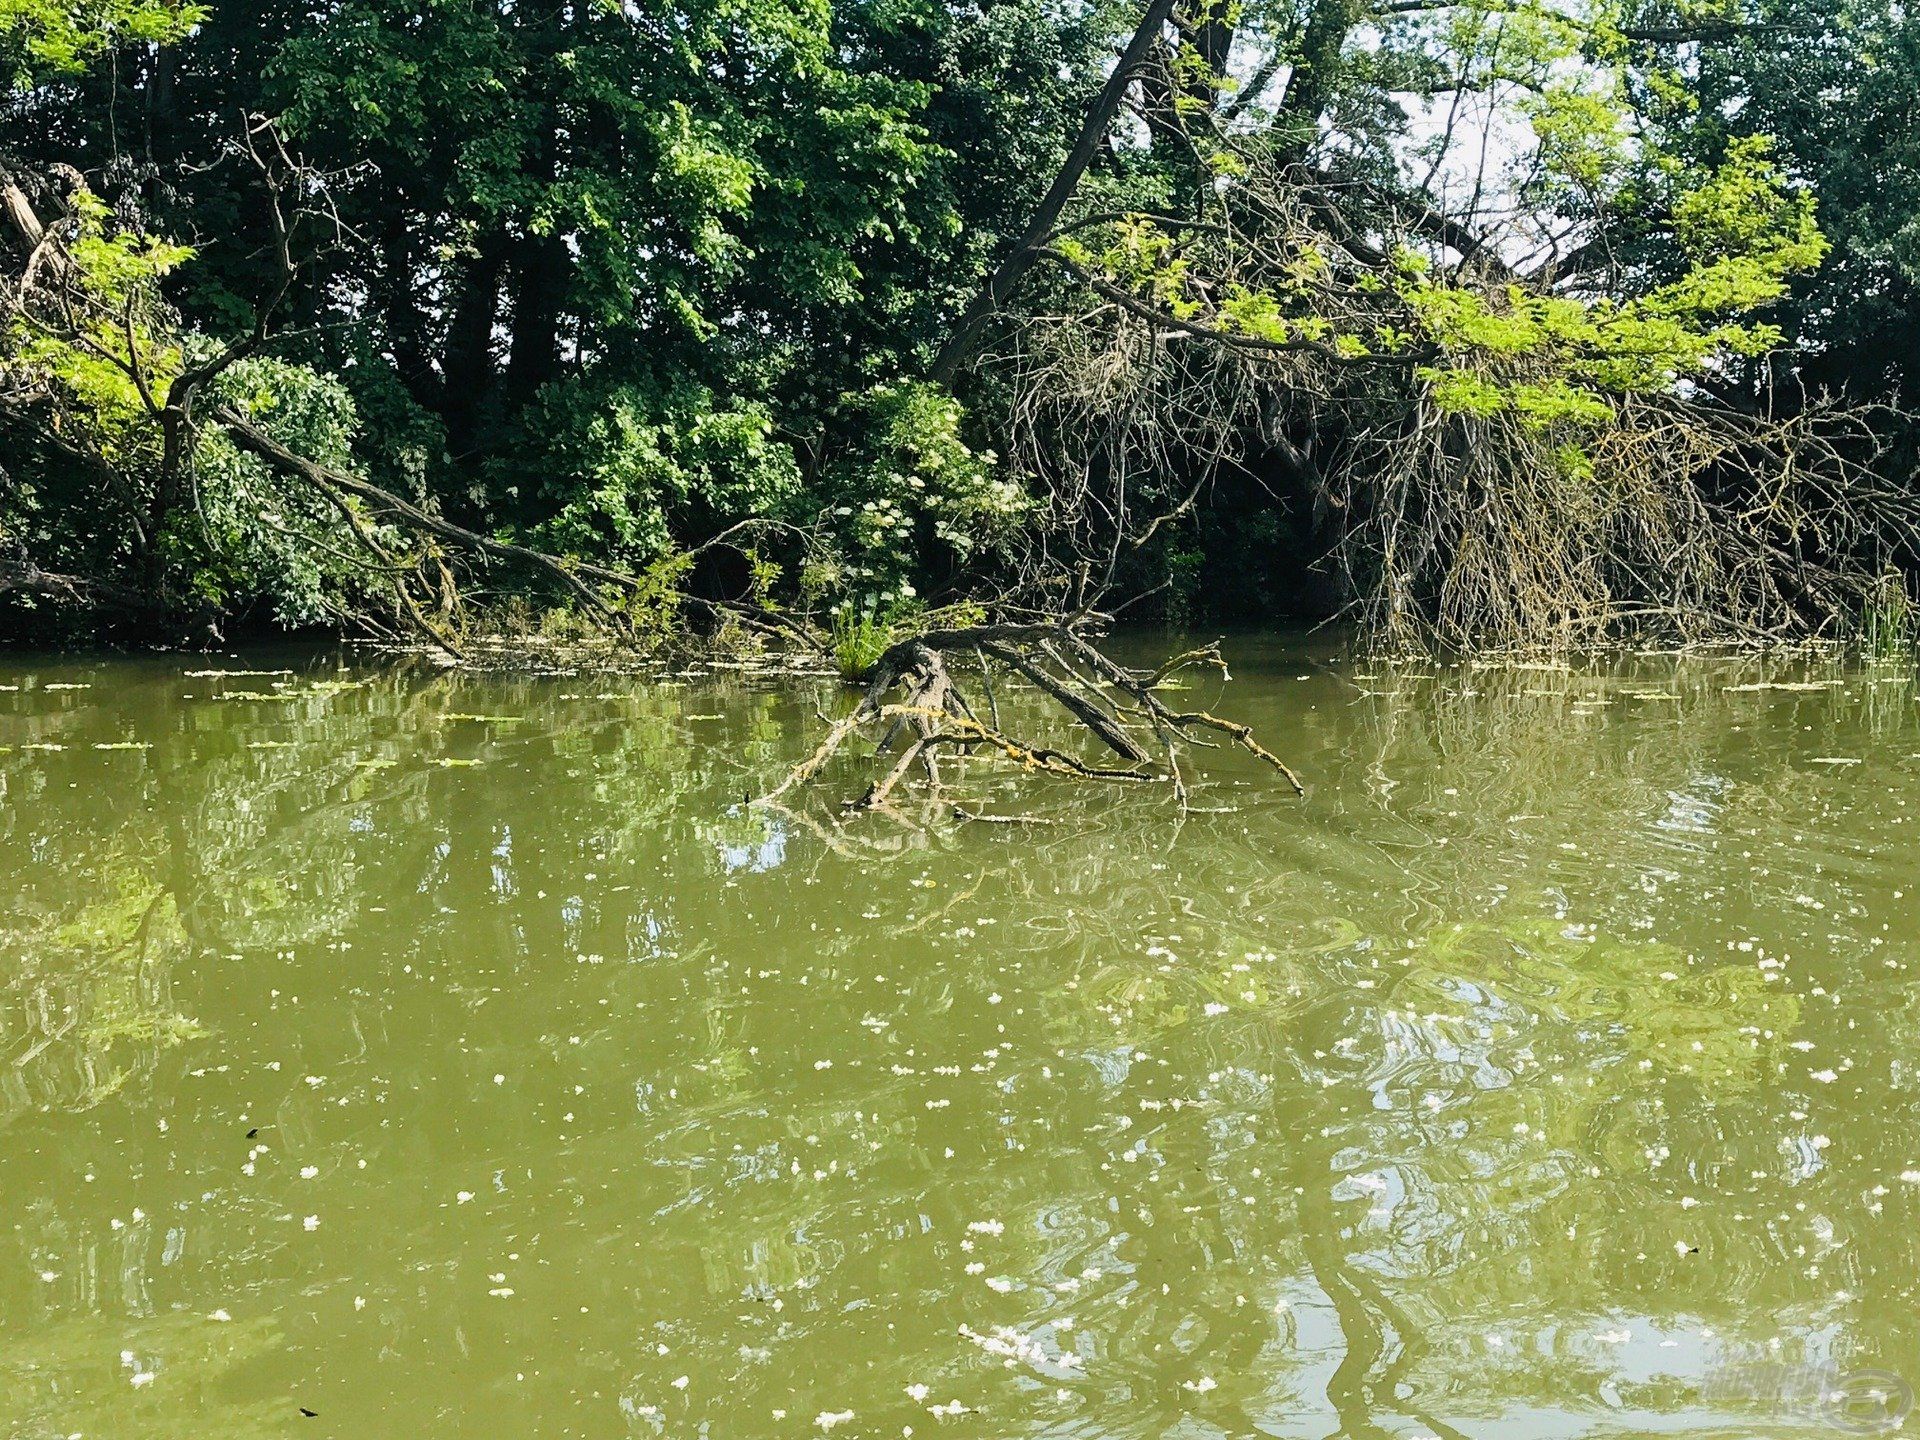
column 1106, row 699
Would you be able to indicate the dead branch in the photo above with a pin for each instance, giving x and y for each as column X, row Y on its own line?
column 19, row 574
column 336, row 484
column 1062, row 659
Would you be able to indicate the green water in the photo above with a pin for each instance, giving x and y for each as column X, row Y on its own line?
column 1552, row 1069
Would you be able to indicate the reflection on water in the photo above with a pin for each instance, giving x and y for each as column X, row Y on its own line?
column 458, row 1056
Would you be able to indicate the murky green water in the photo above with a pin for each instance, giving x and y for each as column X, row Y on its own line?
column 452, row 1057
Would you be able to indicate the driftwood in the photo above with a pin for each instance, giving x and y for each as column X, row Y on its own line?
column 918, row 708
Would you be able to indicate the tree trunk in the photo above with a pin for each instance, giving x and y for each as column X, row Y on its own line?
column 470, row 369
column 966, row 333
column 541, row 262
column 540, row 275
column 1315, row 78
column 1213, row 40
column 405, row 324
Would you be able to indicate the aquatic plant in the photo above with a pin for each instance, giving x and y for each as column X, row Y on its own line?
column 860, row 637
column 1887, row 625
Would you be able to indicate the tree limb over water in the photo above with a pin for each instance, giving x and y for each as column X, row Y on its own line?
column 1119, row 706
column 911, row 694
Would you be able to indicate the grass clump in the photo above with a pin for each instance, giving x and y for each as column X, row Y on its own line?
column 860, row 637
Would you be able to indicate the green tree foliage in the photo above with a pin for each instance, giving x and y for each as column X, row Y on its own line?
column 39, row 38
column 631, row 203
column 1835, row 88
column 615, row 278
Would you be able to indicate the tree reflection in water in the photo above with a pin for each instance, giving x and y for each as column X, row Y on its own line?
column 1553, row 1059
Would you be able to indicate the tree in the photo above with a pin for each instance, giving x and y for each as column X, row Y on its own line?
column 1482, row 307
column 586, row 262
column 1499, row 385
column 41, row 38
column 1835, row 89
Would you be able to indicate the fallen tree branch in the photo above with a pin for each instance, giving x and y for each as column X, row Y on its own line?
column 251, row 438
column 1106, row 699
column 1166, row 320
column 912, row 698
column 21, row 575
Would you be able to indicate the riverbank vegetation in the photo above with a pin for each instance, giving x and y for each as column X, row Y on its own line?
column 1491, row 324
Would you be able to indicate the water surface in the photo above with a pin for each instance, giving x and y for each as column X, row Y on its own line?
column 455, row 1056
